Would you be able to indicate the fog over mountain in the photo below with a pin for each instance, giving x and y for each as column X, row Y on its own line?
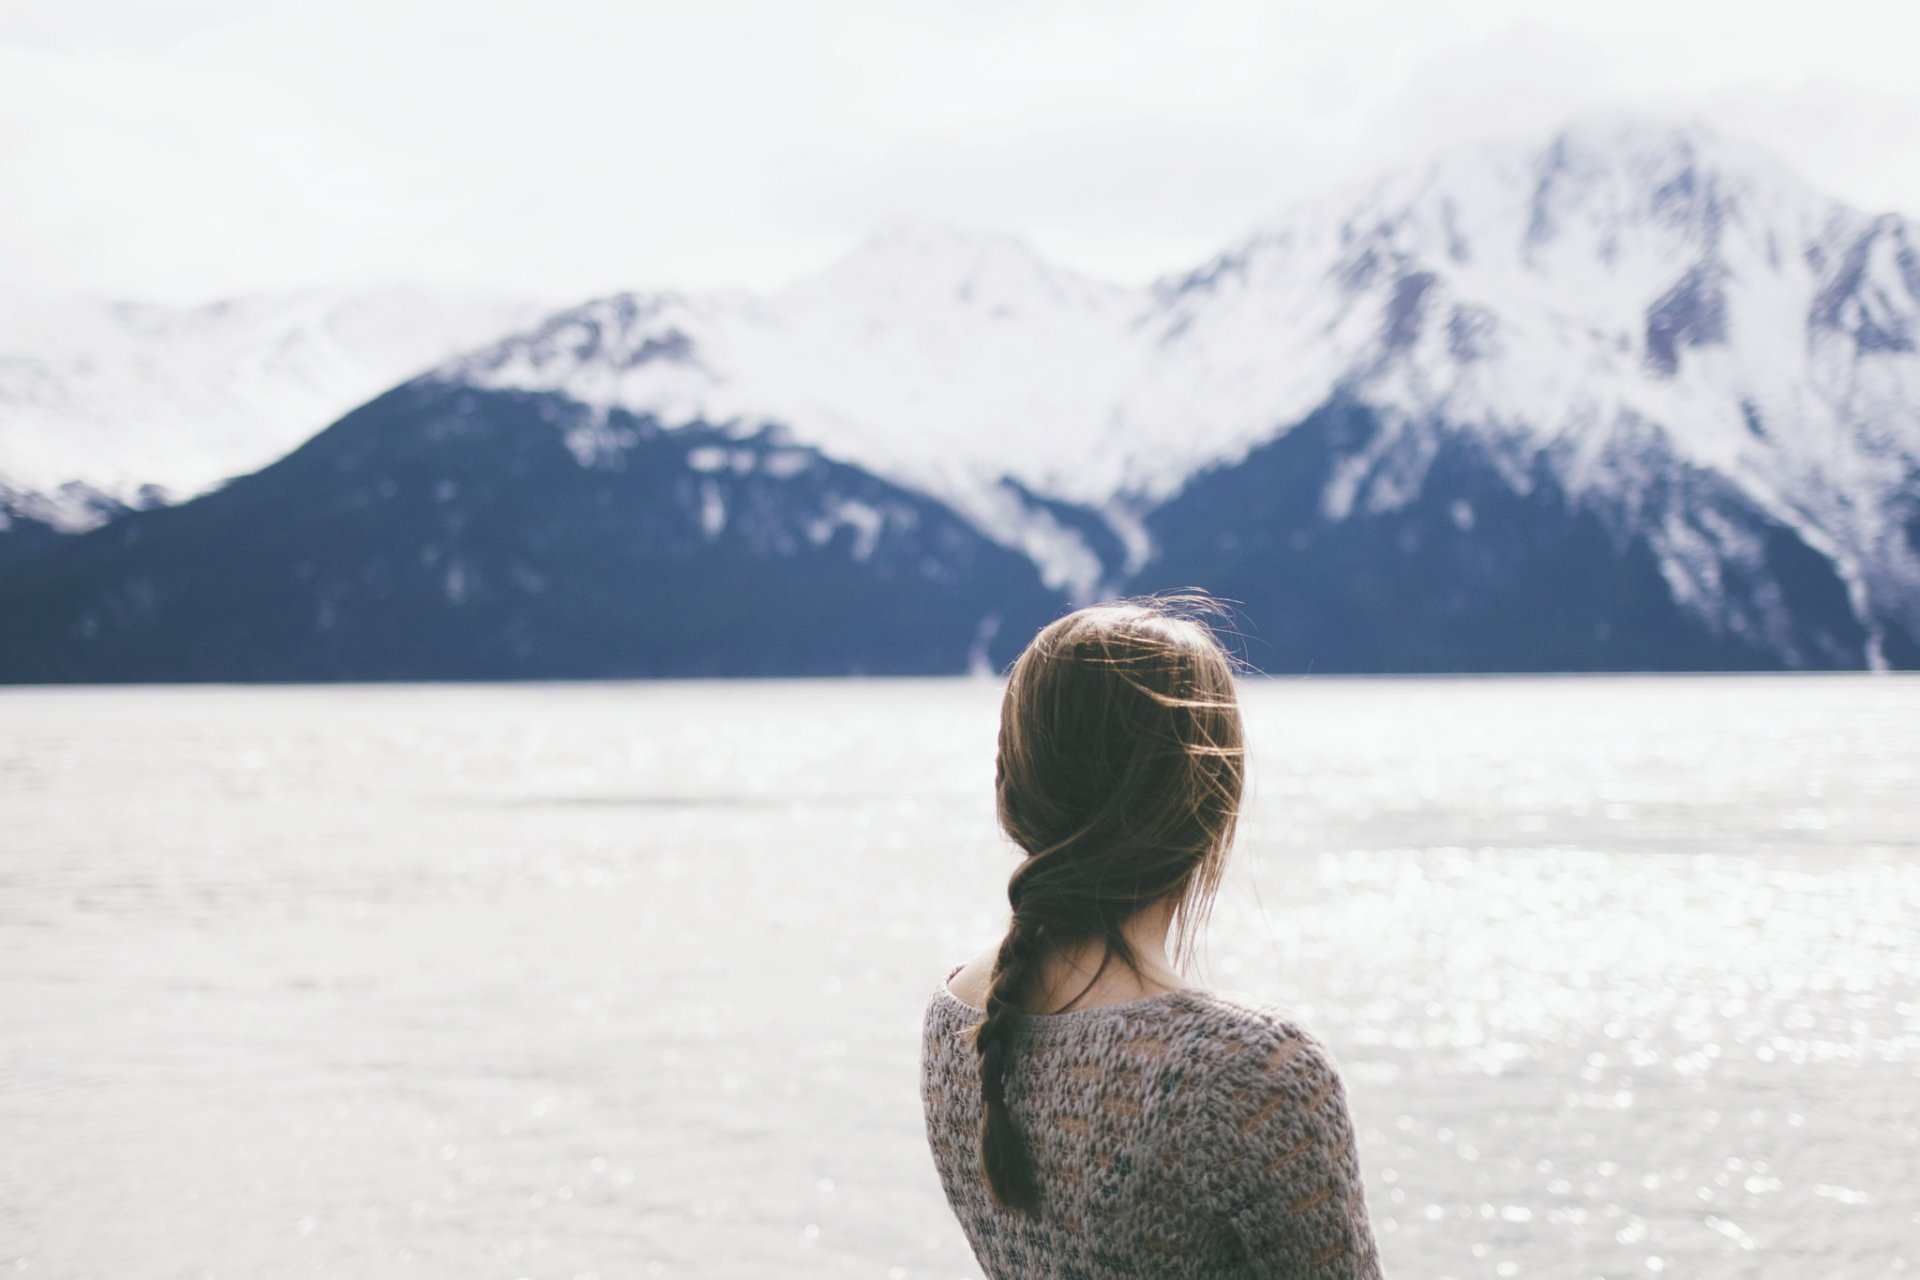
column 106, row 405
column 1635, row 397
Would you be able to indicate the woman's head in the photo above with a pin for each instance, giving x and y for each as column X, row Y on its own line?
column 1119, row 775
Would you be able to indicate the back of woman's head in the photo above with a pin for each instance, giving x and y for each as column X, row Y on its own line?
column 1120, row 773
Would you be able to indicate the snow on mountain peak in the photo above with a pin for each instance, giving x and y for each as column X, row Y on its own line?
column 911, row 267
column 1620, row 299
column 941, row 358
column 1615, row 300
column 1618, row 282
column 114, row 401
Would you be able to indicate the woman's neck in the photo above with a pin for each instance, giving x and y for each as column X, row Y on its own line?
column 1064, row 975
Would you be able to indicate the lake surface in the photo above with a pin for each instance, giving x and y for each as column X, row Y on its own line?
column 627, row 979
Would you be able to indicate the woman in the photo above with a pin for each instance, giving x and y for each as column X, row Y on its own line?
column 1137, row 1126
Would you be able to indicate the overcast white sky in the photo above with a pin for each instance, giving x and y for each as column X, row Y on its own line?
column 185, row 149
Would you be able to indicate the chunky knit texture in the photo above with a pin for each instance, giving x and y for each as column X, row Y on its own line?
column 1191, row 1134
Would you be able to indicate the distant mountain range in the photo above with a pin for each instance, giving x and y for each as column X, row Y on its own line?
column 1633, row 398
column 110, row 405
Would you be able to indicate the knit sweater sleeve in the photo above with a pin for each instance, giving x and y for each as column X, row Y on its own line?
column 1288, row 1174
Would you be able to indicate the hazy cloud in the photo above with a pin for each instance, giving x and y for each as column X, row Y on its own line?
column 186, row 148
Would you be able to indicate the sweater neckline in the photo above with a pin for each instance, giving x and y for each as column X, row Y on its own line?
column 1041, row 1023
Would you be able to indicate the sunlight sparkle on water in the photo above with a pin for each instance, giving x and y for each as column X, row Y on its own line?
column 627, row 979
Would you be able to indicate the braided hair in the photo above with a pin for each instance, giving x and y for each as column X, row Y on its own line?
column 1119, row 776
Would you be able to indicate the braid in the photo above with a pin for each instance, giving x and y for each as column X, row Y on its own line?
column 1002, row 1152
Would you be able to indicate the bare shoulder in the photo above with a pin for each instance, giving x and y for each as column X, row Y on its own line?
column 973, row 980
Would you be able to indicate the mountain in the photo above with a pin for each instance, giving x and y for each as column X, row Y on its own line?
column 1635, row 397
column 445, row 532
column 1657, row 333
column 944, row 360
column 109, row 406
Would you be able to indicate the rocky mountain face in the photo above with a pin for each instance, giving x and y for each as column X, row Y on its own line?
column 1654, row 334
column 1633, row 398
column 1485, row 567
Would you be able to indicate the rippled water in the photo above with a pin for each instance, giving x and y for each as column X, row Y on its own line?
column 627, row 979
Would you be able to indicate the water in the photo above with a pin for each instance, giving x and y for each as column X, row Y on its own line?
column 627, row 979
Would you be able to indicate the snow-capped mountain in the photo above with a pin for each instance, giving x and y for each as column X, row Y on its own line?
column 938, row 358
column 1633, row 397
column 105, row 405
column 1620, row 300
column 1619, row 306
column 445, row 533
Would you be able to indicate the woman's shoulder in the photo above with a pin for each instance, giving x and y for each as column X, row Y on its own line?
column 1248, row 1037
column 1265, row 1081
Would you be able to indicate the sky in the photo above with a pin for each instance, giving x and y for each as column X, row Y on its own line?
column 183, row 150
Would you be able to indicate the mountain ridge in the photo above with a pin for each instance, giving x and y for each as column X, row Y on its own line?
column 108, row 405
column 1658, row 330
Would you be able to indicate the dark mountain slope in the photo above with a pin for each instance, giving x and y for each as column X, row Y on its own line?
column 1477, row 573
column 443, row 532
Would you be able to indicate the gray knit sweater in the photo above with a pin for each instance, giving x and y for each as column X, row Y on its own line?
column 1188, row 1134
